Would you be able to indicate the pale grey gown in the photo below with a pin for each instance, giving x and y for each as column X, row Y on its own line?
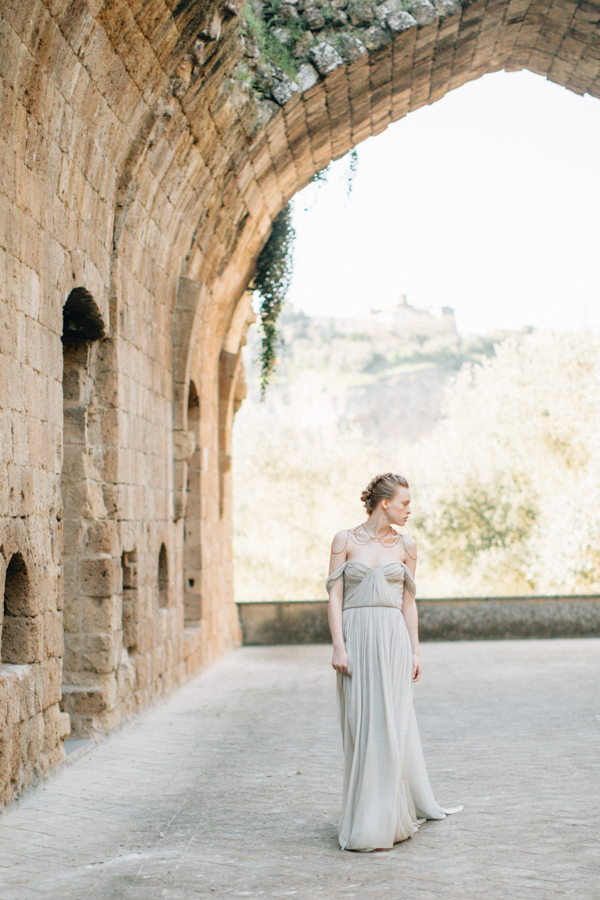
column 386, row 787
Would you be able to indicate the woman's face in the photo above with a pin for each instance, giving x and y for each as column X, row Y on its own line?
column 398, row 508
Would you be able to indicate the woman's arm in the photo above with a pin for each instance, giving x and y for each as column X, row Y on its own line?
column 336, row 596
column 409, row 607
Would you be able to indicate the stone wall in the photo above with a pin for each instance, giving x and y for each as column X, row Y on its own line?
column 461, row 619
column 138, row 182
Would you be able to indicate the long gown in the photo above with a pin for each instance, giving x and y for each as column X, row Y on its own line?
column 386, row 786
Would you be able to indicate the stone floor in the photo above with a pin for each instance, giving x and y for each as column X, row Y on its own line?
column 231, row 788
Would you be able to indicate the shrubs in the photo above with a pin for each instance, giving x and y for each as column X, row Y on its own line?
column 506, row 489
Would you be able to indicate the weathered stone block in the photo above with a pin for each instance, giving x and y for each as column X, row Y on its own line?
column 85, row 702
column 31, row 738
column 100, row 614
column 56, row 727
column 103, row 537
column 98, row 654
column 423, row 12
column 51, row 674
column 351, row 48
column 99, row 577
column 53, row 634
column 400, row 21
column 283, row 89
column 22, row 639
column 361, row 12
column 313, row 17
column 325, row 58
column 376, row 37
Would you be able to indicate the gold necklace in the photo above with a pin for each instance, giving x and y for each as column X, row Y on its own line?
column 388, row 539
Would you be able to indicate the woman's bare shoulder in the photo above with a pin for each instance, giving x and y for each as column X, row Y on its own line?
column 410, row 545
column 338, row 544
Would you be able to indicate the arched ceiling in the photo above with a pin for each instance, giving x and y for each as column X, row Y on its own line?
column 171, row 170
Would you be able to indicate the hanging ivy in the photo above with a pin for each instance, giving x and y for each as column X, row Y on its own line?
column 352, row 170
column 272, row 280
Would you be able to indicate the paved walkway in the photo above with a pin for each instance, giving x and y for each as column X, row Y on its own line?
column 231, row 788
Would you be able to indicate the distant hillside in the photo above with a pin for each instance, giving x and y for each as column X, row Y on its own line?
column 385, row 373
column 353, row 397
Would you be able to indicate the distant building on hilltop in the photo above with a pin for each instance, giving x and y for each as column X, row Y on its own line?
column 408, row 322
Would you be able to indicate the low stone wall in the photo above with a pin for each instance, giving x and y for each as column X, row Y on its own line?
column 469, row 618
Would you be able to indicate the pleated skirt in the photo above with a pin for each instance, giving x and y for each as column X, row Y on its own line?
column 386, row 786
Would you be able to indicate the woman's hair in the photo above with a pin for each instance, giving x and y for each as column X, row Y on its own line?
column 382, row 487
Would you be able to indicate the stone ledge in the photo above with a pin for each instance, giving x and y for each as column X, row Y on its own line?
column 457, row 619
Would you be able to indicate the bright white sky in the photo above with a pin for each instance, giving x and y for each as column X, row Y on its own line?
column 487, row 201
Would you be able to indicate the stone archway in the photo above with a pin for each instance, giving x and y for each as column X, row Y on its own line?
column 138, row 168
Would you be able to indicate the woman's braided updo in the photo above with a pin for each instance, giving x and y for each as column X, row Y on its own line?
column 382, row 487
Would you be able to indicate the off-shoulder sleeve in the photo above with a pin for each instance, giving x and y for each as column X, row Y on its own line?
column 409, row 581
column 334, row 577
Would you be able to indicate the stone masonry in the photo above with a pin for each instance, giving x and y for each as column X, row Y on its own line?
column 138, row 182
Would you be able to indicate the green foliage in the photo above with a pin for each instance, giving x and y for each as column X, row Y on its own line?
column 482, row 516
column 260, row 23
column 352, row 169
column 272, row 280
column 322, row 176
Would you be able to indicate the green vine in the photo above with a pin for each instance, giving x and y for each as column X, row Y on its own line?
column 352, row 170
column 272, row 280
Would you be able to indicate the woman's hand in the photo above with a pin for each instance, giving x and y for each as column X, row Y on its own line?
column 340, row 660
column 416, row 667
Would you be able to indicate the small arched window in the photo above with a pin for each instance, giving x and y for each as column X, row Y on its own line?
column 130, row 599
column 163, row 578
column 17, row 645
column 82, row 321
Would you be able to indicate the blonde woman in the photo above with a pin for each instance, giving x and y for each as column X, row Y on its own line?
column 374, row 628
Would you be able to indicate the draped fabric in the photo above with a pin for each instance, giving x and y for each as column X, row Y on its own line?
column 386, row 786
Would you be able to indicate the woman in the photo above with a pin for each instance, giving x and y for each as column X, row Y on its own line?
column 373, row 622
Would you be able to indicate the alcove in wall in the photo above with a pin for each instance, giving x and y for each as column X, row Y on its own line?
column 163, row 578
column 192, row 559
column 21, row 636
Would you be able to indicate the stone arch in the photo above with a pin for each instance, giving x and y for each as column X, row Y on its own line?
column 438, row 48
column 184, row 337
column 160, row 177
column 163, row 578
column 230, row 376
column 21, row 636
column 91, row 588
column 192, row 537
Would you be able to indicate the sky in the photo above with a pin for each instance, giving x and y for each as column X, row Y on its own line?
column 487, row 201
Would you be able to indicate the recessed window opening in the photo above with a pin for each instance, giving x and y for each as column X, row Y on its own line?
column 15, row 645
column 163, row 578
column 130, row 596
column 83, row 329
column 82, row 320
column 192, row 550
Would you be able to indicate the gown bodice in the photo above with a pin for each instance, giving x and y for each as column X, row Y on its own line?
column 378, row 586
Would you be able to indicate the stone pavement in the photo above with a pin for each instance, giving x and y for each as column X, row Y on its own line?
column 231, row 787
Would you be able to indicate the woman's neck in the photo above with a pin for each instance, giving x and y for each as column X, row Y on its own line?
column 377, row 524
